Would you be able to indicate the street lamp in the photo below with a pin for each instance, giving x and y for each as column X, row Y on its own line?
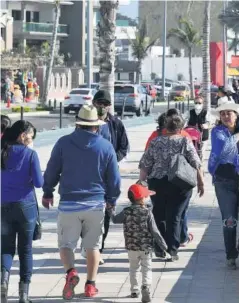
column 164, row 46
column 224, row 46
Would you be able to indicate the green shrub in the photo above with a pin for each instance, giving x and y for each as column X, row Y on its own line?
column 17, row 109
column 44, row 108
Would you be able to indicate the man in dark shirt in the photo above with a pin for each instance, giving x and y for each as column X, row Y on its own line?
column 115, row 132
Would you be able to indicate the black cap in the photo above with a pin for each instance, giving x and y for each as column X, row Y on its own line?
column 103, row 95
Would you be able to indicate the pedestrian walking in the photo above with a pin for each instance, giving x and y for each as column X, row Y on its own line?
column 186, row 237
column 223, row 165
column 114, row 131
column 20, row 173
column 85, row 165
column 140, row 231
column 170, row 200
column 199, row 118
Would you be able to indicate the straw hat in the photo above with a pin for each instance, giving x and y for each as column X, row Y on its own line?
column 230, row 106
column 88, row 116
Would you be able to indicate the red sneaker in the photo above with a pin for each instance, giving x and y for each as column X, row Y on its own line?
column 72, row 279
column 90, row 290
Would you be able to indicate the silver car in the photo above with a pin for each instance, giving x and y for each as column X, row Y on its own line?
column 135, row 97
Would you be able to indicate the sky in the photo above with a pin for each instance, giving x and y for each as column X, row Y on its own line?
column 129, row 8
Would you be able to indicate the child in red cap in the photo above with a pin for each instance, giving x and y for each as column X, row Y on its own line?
column 140, row 231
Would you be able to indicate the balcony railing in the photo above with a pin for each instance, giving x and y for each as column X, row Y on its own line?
column 44, row 28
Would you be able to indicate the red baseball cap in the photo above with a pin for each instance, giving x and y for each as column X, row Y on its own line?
column 140, row 191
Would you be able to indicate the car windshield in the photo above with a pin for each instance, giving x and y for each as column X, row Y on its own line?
column 124, row 89
column 197, row 86
column 80, row 92
column 181, row 87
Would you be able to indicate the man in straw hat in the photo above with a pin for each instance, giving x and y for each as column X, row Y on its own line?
column 85, row 165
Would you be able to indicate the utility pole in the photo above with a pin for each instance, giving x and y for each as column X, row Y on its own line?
column 224, row 47
column 164, row 46
column 89, row 42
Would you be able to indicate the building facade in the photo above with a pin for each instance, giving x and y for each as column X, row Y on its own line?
column 33, row 22
column 6, row 31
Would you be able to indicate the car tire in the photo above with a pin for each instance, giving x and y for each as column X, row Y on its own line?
column 139, row 111
column 66, row 110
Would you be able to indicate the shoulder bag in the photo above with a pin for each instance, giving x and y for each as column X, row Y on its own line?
column 38, row 228
column 181, row 173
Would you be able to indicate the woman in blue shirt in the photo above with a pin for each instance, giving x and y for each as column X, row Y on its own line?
column 223, row 165
column 20, row 173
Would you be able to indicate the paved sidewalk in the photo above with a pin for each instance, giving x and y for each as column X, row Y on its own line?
column 200, row 276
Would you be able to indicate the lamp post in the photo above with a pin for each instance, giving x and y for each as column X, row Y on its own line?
column 89, row 43
column 224, row 47
column 164, row 46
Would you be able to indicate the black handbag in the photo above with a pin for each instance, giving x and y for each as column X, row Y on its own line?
column 181, row 173
column 38, row 228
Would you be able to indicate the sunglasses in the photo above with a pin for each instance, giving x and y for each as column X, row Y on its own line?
column 197, row 103
column 104, row 103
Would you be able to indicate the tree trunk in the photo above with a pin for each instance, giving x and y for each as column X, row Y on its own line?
column 107, row 27
column 52, row 53
column 192, row 92
column 206, row 56
column 138, row 72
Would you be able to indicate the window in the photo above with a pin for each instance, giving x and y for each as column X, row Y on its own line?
column 16, row 14
column 28, row 16
column 124, row 89
column 36, row 17
column 79, row 92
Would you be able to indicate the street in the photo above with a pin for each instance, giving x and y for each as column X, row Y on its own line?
column 49, row 122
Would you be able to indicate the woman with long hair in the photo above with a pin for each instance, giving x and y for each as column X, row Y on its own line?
column 223, row 165
column 20, row 173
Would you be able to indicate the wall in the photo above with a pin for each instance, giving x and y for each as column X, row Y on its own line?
column 46, row 13
column 74, row 16
column 174, row 66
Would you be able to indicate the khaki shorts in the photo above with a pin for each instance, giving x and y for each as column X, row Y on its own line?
column 86, row 224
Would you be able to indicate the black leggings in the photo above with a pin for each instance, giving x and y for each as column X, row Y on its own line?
column 169, row 204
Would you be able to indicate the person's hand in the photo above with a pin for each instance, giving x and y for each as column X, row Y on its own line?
column 46, row 202
column 201, row 189
column 110, row 206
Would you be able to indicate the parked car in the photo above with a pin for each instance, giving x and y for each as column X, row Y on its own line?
column 197, row 88
column 179, row 93
column 151, row 90
column 214, row 95
column 167, row 89
column 135, row 97
column 78, row 97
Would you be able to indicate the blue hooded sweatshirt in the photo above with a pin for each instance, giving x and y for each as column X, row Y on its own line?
column 17, row 181
column 85, row 165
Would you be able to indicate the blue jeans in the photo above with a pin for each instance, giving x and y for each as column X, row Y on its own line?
column 18, row 220
column 227, row 196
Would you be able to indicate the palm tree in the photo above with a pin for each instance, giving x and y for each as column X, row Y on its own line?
column 190, row 38
column 106, row 32
column 140, row 46
column 57, row 5
column 206, row 55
